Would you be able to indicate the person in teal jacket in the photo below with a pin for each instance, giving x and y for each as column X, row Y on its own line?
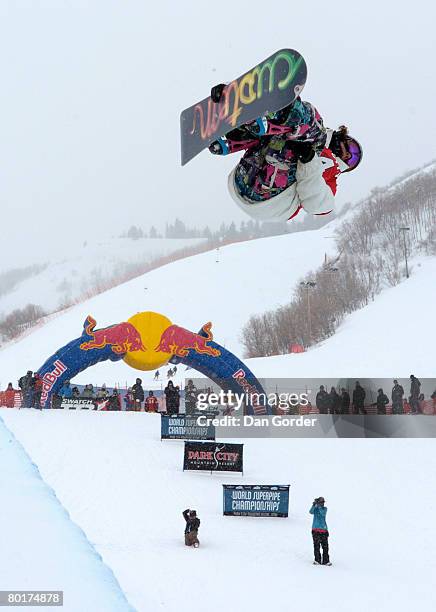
column 320, row 533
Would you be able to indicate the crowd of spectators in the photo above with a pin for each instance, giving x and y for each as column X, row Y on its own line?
column 334, row 403
column 134, row 399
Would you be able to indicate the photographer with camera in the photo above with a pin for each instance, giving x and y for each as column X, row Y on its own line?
column 320, row 532
column 192, row 527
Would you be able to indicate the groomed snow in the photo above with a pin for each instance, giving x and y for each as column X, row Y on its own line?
column 41, row 548
column 126, row 489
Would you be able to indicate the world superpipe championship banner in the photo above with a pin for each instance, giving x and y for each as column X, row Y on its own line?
column 183, row 427
column 213, row 457
column 256, row 500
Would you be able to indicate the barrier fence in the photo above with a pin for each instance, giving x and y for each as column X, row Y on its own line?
column 427, row 407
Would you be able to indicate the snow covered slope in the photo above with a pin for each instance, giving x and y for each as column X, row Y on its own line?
column 41, row 547
column 126, row 489
column 393, row 336
column 224, row 287
column 77, row 265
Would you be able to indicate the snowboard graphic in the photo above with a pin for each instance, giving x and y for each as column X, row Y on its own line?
column 268, row 87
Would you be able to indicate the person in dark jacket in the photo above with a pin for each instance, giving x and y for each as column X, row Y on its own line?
column 397, row 398
column 345, row 401
column 415, row 390
column 334, row 401
column 75, row 393
column 320, row 533
column 172, row 399
column 322, row 400
column 382, row 401
column 26, row 385
column 359, row 399
column 138, row 394
column 191, row 528
column 190, row 397
column 37, row 390
column 114, row 401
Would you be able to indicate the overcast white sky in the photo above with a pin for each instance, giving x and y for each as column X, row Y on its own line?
column 91, row 93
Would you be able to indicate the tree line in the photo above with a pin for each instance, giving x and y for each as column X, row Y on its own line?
column 370, row 256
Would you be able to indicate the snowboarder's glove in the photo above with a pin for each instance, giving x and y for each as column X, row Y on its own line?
column 303, row 150
column 217, row 92
column 219, row 147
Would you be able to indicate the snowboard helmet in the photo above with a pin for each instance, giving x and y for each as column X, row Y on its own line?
column 193, row 513
column 346, row 148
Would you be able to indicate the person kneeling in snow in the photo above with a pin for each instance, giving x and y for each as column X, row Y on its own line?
column 192, row 527
column 320, row 532
column 291, row 162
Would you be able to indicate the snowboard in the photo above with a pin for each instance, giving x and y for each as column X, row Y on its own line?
column 268, row 87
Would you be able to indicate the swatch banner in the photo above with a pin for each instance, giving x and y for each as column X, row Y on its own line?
column 256, row 500
column 183, row 427
column 77, row 404
column 213, row 457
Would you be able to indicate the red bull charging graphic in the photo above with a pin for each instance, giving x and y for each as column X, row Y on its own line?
column 122, row 337
column 179, row 341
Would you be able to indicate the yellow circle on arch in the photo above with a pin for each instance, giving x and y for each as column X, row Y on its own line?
column 150, row 326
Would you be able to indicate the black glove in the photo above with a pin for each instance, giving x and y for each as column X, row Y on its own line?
column 303, row 150
column 217, row 92
column 216, row 148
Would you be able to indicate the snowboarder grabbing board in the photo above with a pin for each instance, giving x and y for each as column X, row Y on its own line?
column 291, row 162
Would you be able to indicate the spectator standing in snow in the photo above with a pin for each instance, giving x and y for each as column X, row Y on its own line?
column 151, row 403
column 345, row 401
column 415, row 390
column 138, row 394
column 114, row 401
column 382, row 401
column 190, row 397
column 359, row 399
column 75, row 393
column 322, row 400
column 26, row 385
column 88, row 392
column 9, row 396
column 191, row 528
column 172, row 399
column 334, row 401
column 320, row 534
column 102, row 393
column 156, row 375
column 397, row 398
column 37, row 390
column 129, row 400
column 66, row 392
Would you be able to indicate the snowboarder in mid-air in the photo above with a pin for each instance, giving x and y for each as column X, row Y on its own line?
column 320, row 532
column 192, row 527
column 291, row 162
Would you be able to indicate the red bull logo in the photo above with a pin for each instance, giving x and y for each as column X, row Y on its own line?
column 179, row 341
column 122, row 337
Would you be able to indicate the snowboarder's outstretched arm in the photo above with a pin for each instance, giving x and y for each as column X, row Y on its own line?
column 298, row 121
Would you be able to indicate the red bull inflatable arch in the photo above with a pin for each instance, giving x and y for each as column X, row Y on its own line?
column 147, row 341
